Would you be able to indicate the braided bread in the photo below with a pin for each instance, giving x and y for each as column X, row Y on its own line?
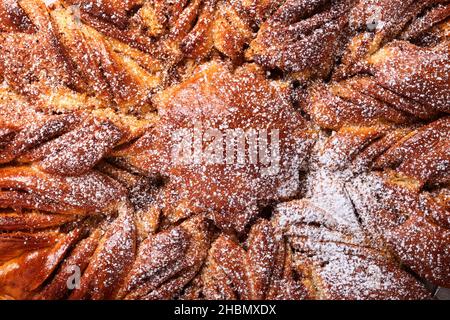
column 213, row 149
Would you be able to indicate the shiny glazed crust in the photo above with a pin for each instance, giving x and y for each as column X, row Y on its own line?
column 93, row 93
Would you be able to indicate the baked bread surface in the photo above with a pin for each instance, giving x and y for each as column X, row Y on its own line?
column 351, row 200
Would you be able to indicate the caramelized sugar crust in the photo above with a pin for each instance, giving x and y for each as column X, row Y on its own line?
column 96, row 187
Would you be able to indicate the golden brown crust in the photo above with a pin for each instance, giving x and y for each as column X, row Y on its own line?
column 390, row 194
column 406, row 83
column 341, row 264
column 167, row 261
column 228, row 190
column 99, row 200
column 302, row 37
column 262, row 271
